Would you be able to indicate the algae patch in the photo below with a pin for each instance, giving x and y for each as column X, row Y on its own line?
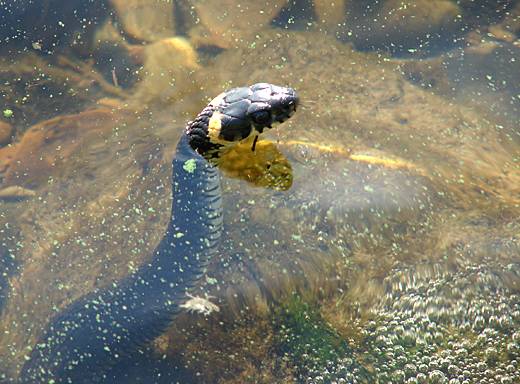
column 311, row 344
column 189, row 166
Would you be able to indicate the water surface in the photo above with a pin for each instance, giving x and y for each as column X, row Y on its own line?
column 392, row 255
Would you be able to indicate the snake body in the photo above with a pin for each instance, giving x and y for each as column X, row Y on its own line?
column 100, row 329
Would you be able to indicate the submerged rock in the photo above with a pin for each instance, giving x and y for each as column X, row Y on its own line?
column 399, row 26
column 15, row 192
column 146, row 20
column 167, row 73
column 6, row 156
column 46, row 145
column 231, row 22
column 330, row 13
column 6, row 132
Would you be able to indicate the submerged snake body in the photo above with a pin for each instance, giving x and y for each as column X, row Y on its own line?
column 100, row 329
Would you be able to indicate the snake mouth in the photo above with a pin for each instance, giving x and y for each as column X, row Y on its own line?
column 284, row 104
column 287, row 111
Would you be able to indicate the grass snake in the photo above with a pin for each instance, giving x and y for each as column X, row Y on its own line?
column 101, row 329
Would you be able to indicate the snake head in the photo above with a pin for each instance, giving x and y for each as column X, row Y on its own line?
column 242, row 112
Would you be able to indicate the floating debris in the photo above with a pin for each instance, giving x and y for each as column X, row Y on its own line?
column 189, row 166
column 37, row 45
column 200, row 305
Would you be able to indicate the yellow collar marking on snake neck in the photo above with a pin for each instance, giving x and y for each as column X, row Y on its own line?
column 214, row 127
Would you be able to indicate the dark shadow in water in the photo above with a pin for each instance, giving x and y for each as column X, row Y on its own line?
column 148, row 368
column 6, row 266
column 295, row 15
column 51, row 23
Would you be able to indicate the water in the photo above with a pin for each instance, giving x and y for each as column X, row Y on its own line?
column 380, row 243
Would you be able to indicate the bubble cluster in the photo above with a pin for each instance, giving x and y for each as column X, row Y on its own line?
column 440, row 326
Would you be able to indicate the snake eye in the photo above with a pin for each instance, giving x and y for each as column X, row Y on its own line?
column 261, row 117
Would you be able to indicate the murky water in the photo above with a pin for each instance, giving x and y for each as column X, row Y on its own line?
column 372, row 238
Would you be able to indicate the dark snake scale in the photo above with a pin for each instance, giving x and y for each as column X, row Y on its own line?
column 105, row 327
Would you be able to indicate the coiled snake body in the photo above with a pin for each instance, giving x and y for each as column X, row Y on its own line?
column 102, row 328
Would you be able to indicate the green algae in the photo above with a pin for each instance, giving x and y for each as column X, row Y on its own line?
column 189, row 166
column 309, row 342
column 303, row 333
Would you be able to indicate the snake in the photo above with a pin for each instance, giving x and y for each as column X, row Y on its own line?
column 108, row 325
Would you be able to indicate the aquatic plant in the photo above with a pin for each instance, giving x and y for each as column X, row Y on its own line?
column 312, row 345
column 444, row 326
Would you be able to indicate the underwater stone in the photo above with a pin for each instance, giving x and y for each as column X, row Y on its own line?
column 144, row 20
column 6, row 130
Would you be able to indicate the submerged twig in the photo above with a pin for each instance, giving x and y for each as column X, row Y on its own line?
column 114, row 77
column 88, row 71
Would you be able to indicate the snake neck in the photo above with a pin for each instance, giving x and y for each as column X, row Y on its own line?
column 128, row 314
column 196, row 214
